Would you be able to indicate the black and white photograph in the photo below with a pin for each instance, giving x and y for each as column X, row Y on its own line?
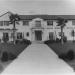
column 37, row 37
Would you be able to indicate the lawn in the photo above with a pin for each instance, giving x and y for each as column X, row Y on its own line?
column 58, row 48
column 10, row 47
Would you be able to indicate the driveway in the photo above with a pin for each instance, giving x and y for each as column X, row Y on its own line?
column 38, row 59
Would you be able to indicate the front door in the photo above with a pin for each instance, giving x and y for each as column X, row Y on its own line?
column 38, row 35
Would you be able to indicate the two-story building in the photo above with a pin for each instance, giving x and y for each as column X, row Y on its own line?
column 36, row 27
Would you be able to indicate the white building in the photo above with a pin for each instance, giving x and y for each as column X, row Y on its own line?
column 36, row 27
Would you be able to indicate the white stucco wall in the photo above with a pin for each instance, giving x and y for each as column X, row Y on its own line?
column 46, row 29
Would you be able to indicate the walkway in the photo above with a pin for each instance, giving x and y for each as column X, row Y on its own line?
column 38, row 59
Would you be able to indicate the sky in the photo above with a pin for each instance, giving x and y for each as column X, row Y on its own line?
column 51, row 7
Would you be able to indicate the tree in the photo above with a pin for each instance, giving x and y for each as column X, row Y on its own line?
column 62, row 23
column 73, row 34
column 14, row 18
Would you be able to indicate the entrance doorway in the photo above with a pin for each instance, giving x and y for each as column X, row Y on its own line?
column 38, row 35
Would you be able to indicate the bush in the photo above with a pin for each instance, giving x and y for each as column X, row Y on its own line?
column 17, row 41
column 67, row 56
column 65, row 39
column 23, row 41
column 62, row 56
column 70, row 55
column 49, row 41
column 58, row 40
column 4, row 57
column 11, row 56
column 5, row 39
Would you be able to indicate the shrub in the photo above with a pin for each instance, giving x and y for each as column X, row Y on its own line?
column 5, row 39
column 70, row 55
column 4, row 57
column 49, row 41
column 62, row 56
column 23, row 41
column 17, row 41
column 57, row 40
column 11, row 56
column 65, row 39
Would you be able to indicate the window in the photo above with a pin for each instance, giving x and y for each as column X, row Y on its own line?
column 51, row 36
column 1, row 23
column 5, row 35
column 25, row 22
column 73, row 22
column 6, row 23
column 19, row 35
column 38, row 23
column 49, row 22
column 27, row 34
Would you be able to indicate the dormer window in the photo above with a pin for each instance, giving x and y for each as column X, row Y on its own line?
column 38, row 23
column 49, row 22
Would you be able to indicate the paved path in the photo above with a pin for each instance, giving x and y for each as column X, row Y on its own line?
column 38, row 59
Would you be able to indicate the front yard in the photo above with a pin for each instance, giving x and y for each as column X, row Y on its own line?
column 10, row 48
column 58, row 48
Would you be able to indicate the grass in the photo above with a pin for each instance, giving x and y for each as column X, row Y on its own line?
column 58, row 48
column 10, row 47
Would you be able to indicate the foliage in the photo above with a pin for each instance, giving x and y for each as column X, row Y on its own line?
column 4, row 57
column 14, row 18
column 70, row 54
column 11, row 56
column 5, row 39
column 49, row 41
column 61, row 22
column 67, row 56
column 23, row 41
column 73, row 34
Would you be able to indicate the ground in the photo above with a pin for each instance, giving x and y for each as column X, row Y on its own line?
column 10, row 47
column 38, row 59
column 59, row 49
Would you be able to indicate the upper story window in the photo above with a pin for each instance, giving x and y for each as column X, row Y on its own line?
column 73, row 22
column 38, row 23
column 1, row 23
column 49, row 22
column 6, row 23
column 25, row 22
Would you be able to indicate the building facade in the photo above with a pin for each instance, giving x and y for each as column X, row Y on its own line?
column 36, row 27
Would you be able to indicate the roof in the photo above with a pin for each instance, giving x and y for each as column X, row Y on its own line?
column 43, row 16
column 47, row 17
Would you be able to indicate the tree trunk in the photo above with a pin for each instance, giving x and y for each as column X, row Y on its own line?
column 62, row 35
column 14, row 32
